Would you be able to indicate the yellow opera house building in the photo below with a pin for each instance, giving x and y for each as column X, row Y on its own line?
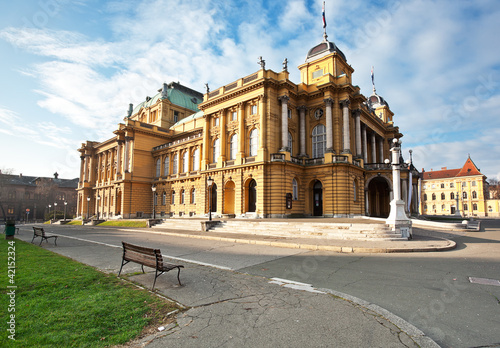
column 260, row 146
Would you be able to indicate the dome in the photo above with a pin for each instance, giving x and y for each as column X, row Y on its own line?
column 323, row 49
column 376, row 101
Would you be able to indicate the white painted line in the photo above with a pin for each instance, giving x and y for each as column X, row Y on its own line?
column 295, row 285
column 167, row 256
column 484, row 281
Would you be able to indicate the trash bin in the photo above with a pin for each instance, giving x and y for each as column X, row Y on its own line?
column 10, row 229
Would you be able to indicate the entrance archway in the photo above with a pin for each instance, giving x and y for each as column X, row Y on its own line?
column 213, row 197
column 252, row 196
column 379, row 198
column 317, row 198
column 229, row 198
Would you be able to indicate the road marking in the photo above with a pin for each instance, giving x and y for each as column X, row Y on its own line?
column 167, row 256
column 295, row 285
column 484, row 281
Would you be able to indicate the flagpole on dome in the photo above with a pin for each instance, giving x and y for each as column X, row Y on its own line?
column 324, row 23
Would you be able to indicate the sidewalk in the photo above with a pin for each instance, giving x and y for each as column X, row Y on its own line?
column 232, row 309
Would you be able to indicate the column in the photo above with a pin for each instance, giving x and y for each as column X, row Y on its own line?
column 365, row 145
column 119, row 159
column 241, row 130
column 357, row 122
column 374, row 149
column 329, row 125
column 126, row 159
column 284, row 122
column 345, row 120
column 83, row 168
column 263, row 127
column 302, row 119
column 223, row 136
column 381, row 149
column 206, row 143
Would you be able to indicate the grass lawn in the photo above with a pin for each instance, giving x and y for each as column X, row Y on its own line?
column 75, row 222
column 121, row 223
column 62, row 303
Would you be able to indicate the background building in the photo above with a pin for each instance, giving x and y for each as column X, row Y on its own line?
column 272, row 147
column 28, row 197
column 466, row 188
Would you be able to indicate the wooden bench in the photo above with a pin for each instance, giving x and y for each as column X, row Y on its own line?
column 39, row 232
column 147, row 257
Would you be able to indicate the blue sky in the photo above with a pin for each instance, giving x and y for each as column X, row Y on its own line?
column 69, row 69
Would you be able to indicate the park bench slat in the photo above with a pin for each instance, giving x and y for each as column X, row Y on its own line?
column 39, row 232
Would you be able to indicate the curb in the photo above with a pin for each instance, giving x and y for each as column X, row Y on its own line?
column 335, row 248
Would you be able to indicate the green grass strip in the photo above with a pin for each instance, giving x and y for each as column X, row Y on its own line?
column 62, row 303
column 125, row 223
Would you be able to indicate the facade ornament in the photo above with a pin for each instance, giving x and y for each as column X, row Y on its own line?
column 285, row 65
column 207, row 87
column 262, row 63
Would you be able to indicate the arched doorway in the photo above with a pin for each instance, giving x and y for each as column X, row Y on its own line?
column 213, row 197
column 378, row 198
column 229, row 198
column 252, row 196
column 317, row 198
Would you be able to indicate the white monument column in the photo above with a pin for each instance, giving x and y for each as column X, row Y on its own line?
column 329, row 125
column 397, row 219
column 346, row 127
column 284, row 122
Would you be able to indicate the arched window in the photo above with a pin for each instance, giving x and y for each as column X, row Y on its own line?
column 164, row 198
column 182, row 196
column 185, row 161
column 290, row 142
column 452, row 195
column 173, row 198
column 464, row 195
column 166, row 165
column 425, row 196
column 174, row 165
column 254, row 142
column 443, row 196
column 433, row 196
column 215, row 150
column 158, row 167
column 466, row 207
column 295, row 189
column 193, row 196
column 196, row 159
column 319, row 141
column 474, row 206
column 233, row 146
column 443, row 207
column 474, row 194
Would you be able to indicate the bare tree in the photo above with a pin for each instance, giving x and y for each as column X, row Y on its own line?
column 4, row 182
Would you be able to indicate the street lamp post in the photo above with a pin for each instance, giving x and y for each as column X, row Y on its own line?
column 55, row 206
column 210, row 182
column 153, row 188
column 98, row 200
column 88, row 206
column 65, row 204
column 50, row 206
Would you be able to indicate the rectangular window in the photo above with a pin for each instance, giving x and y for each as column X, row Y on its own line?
column 473, row 183
column 442, row 185
column 216, row 122
column 452, row 184
column 317, row 73
column 234, row 116
column 176, row 116
column 253, row 110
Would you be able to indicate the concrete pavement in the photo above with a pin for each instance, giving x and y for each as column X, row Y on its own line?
column 232, row 309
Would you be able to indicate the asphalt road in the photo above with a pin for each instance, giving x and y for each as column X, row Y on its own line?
column 430, row 290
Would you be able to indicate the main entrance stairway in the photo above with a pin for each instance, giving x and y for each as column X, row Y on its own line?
column 306, row 228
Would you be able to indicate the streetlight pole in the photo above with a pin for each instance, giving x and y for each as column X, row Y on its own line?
column 153, row 188
column 98, row 200
column 88, row 206
column 210, row 182
column 50, row 206
column 65, row 204
column 55, row 206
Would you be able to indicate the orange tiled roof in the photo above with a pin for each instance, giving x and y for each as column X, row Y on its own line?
column 468, row 169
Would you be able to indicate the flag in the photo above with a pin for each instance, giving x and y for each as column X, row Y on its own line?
column 324, row 19
column 373, row 83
